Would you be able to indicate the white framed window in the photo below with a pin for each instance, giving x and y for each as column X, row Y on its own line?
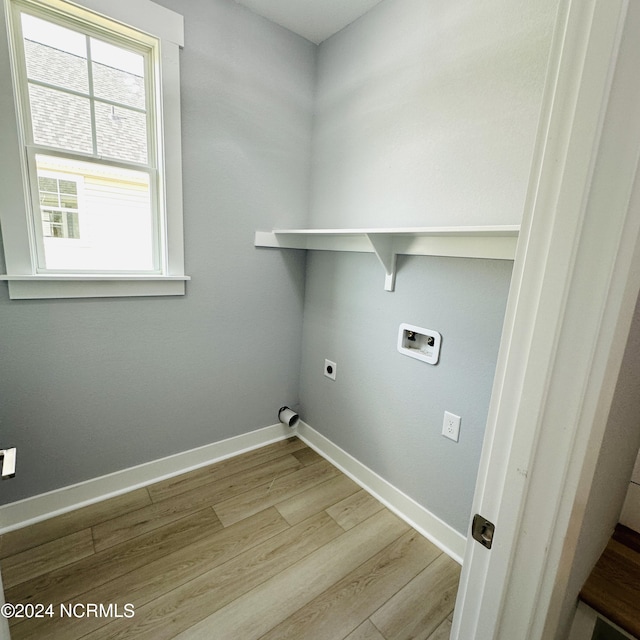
column 97, row 132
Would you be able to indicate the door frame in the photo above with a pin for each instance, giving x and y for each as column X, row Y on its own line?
column 575, row 283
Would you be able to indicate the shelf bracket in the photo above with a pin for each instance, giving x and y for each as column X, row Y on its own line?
column 383, row 248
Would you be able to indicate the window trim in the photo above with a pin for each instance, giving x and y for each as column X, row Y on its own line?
column 22, row 275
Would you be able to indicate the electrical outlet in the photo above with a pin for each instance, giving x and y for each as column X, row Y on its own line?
column 451, row 426
column 330, row 369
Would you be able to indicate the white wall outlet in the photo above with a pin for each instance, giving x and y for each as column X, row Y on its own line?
column 451, row 426
column 330, row 369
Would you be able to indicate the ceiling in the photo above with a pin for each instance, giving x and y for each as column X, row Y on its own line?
column 315, row 20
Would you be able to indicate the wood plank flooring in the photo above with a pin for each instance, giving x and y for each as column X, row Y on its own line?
column 272, row 544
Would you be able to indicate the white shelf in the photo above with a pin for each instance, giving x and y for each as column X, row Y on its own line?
column 492, row 242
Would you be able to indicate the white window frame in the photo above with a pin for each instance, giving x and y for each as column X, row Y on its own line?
column 24, row 279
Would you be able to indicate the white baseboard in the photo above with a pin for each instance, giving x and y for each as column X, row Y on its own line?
column 47, row 505
column 16, row 515
column 430, row 526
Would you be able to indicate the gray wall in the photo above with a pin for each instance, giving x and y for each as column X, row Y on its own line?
column 91, row 386
column 385, row 408
column 427, row 111
column 426, row 114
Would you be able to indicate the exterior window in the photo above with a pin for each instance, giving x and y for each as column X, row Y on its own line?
column 89, row 100
column 59, row 207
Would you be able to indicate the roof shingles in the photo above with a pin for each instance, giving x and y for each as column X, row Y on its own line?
column 63, row 119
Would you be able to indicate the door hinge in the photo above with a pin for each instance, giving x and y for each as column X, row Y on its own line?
column 482, row 530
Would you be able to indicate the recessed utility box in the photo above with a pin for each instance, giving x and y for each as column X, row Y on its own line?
column 419, row 343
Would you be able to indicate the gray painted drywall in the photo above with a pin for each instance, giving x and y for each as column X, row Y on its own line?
column 385, row 408
column 426, row 114
column 88, row 387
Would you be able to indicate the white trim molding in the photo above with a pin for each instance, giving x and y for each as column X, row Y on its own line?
column 22, row 513
column 152, row 25
column 53, row 503
column 39, row 287
column 496, row 242
column 415, row 515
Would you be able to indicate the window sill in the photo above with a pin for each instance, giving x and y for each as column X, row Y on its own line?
column 43, row 286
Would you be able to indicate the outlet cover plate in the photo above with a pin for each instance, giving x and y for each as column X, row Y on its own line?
column 330, row 369
column 451, row 426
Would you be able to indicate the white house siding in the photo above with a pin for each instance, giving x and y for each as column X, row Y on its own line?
column 115, row 210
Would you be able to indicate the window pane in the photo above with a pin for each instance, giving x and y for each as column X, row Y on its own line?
column 72, row 224
column 61, row 221
column 49, row 199
column 118, row 75
column 117, row 57
column 55, row 55
column 121, row 133
column 112, row 228
column 56, row 224
column 60, row 119
column 67, row 186
column 68, row 201
column 47, row 184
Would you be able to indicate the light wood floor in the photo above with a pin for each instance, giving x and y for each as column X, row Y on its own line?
column 273, row 544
